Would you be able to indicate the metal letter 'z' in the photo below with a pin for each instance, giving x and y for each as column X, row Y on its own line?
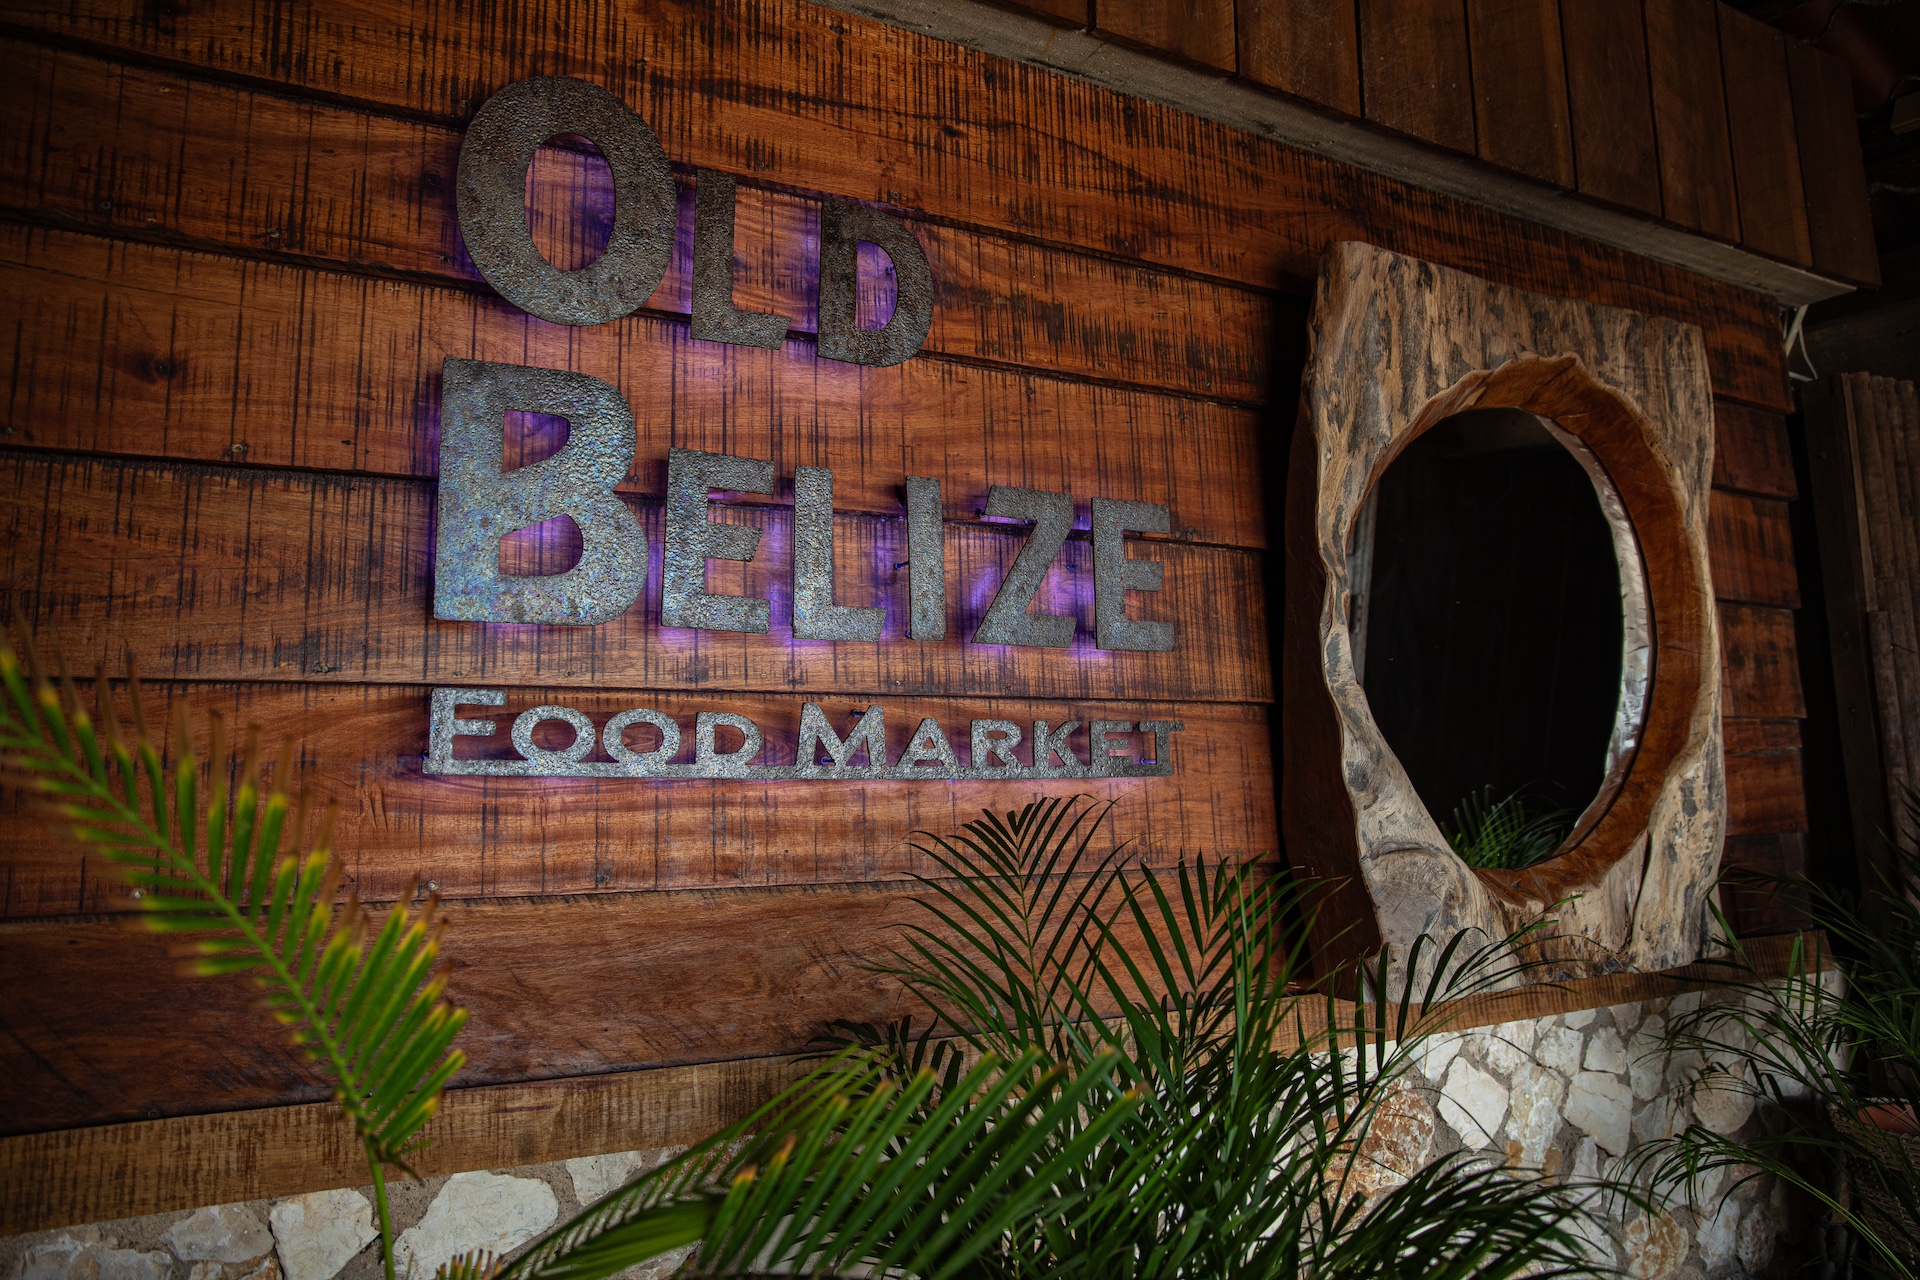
column 1007, row 620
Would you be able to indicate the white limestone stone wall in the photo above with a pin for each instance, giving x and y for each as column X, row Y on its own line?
column 1569, row 1095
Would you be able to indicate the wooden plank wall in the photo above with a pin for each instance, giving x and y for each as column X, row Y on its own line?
column 1688, row 111
column 231, row 269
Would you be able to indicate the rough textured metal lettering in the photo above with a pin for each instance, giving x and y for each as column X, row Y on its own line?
column 1114, row 575
column 815, row 615
column 842, row 228
column 491, row 199
column 715, row 318
column 1007, row 620
column 692, row 540
column 928, row 755
column 479, row 504
column 926, row 561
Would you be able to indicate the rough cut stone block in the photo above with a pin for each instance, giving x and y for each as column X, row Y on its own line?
column 224, row 1233
column 1601, row 1106
column 64, row 1258
column 1535, row 1121
column 1605, row 1052
column 319, row 1233
column 1558, row 1048
column 473, row 1211
column 1473, row 1102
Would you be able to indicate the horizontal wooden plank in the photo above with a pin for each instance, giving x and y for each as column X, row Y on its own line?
column 1751, row 451
column 310, row 168
column 556, row 987
column 515, row 837
column 787, row 92
column 1765, row 790
column 124, row 1170
column 1756, row 909
column 229, row 573
column 152, row 351
column 1760, row 663
column 105, row 1172
column 1750, row 545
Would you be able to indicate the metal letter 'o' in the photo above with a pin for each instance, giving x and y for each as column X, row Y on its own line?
column 572, row 753
column 491, row 199
column 612, row 737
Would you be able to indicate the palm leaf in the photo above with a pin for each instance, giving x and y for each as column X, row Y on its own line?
column 851, row 1169
column 234, row 873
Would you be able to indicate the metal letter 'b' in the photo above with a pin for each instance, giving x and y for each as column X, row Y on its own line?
column 480, row 504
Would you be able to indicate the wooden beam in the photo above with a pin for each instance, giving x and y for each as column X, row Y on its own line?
column 115, row 1171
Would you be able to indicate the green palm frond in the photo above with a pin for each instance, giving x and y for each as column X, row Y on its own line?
column 850, row 1170
column 234, row 874
column 1502, row 833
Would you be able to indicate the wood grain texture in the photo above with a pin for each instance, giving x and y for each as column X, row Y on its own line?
column 751, row 88
column 1752, row 547
column 155, row 1166
column 235, row 573
column 995, row 299
column 1760, row 664
column 1072, row 13
column 1751, row 451
column 1415, row 69
column 1197, row 31
column 520, row 837
column 556, row 987
column 149, row 351
column 1634, row 390
column 1520, row 88
column 1609, row 89
column 1836, row 490
column 1307, row 48
column 1766, row 152
column 1690, row 118
column 105, row 1172
column 1756, row 910
column 1832, row 173
column 1765, row 790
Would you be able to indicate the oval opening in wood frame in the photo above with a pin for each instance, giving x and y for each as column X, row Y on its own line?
column 1625, row 446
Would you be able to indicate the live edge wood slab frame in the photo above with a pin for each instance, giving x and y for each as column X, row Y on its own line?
column 1398, row 345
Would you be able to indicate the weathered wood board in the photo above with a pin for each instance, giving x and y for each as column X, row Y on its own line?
column 229, row 254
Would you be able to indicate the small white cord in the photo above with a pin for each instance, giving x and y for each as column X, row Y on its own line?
column 1797, row 336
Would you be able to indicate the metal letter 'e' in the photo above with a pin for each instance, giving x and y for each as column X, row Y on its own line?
column 480, row 503
column 842, row 228
column 692, row 540
column 491, row 200
column 1114, row 575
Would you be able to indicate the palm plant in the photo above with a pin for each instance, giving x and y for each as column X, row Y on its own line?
column 1832, row 1054
column 1502, row 834
column 240, row 875
column 1178, row 1110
